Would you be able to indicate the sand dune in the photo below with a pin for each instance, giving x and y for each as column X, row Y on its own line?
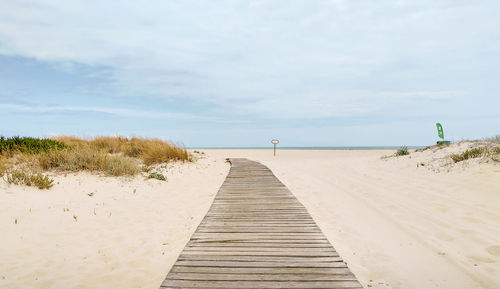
column 126, row 235
column 397, row 225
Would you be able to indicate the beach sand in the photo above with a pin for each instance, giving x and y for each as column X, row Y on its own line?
column 126, row 235
column 396, row 223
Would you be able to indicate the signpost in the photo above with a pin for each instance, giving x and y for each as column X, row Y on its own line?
column 275, row 142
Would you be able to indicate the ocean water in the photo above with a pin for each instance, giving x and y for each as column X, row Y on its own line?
column 309, row 148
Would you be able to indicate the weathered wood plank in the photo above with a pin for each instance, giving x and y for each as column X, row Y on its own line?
column 341, row 275
column 258, row 235
column 169, row 283
column 254, row 270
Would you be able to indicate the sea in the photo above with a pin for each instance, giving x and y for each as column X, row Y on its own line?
column 309, row 148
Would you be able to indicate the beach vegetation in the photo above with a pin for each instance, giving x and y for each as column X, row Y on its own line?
column 150, row 151
column 112, row 156
column 157, row 176
column 85, row 158
column 402, row 151
column 469, row 154
column 3, row 165
column 20, row 177
column 29, row 145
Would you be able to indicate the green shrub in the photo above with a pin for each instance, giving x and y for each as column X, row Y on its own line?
column 468, row 154
column 157, row 176
column 402, row 151
column 29, row 145
column 19, row 177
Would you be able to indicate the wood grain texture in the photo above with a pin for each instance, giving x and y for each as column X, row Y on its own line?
column 258, row 235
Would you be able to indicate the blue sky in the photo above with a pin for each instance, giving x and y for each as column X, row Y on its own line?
column 239, row 73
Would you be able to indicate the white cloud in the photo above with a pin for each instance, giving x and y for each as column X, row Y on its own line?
column 307, row 59
column 105, row 110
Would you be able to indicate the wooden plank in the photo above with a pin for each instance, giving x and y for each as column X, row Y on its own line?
column 256, row 270
column 170, row 283
column 270, row 264
column 258, row 235
column 342, row 275
column 261, row 248
column 260, row 259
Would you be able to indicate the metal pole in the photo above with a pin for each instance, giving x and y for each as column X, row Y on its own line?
column 274, row 149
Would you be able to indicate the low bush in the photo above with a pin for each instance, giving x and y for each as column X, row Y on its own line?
column 157, row 176
column 20, row 177
column 29, row 145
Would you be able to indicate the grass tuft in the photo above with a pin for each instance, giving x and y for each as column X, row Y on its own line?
column 402, row 151
column 121, row 166
column 157, row 176
column 20, row 177
column 468, row 154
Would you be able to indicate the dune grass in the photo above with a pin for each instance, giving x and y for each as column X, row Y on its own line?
column 468, row 154
column 491, row 152
column 150, row 151
column 85, row 158
column 20, row 177
column 402, row 151
column 23, row 158
column 3, row 164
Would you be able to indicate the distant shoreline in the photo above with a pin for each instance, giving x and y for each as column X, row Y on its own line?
column 308, row 148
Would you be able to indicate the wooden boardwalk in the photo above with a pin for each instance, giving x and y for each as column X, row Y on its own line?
column 258, row 235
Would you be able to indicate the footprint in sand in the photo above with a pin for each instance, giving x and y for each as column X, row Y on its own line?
column 494, row 250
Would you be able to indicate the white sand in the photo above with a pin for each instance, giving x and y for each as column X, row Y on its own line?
column 131, row 241
column 397, row 225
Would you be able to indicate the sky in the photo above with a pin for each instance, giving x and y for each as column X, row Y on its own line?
column 240, row 73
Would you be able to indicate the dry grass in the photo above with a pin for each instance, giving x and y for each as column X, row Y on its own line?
column 113, row 156
column 150, row 151
column 3, row 165
column 87, row 158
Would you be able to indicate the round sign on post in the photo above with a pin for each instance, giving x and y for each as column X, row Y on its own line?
column 275, row 142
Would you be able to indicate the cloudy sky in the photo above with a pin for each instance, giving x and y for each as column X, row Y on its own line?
column 239, row 73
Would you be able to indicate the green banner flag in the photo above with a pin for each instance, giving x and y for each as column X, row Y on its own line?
column 440, row 130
